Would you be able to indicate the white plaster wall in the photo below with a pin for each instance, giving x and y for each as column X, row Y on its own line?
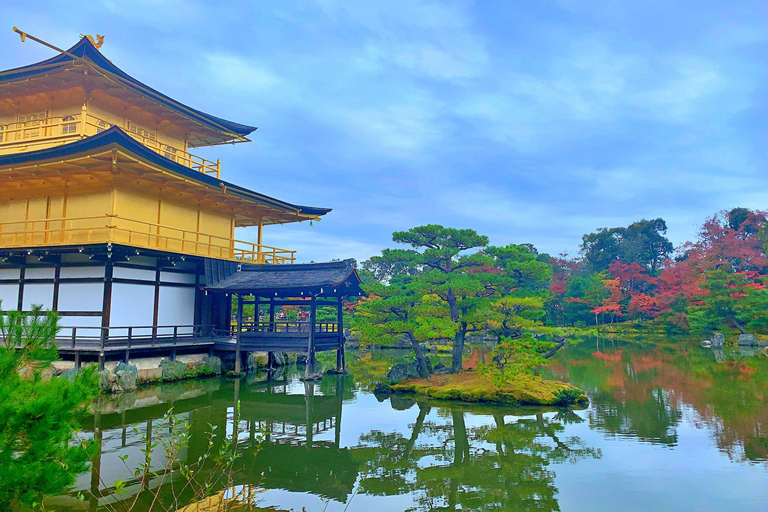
column 133, row 273
column 176, row 277
column 9, row 295
column 10, row 273
column 39, row 273
column 132, row 305
column 67, row 322
column 176, row 307
column 38, row 294
column 80, row 272
column 81, row 296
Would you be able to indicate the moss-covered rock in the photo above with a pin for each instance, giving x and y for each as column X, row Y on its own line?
column 473, row 386
column 214, row 363
column 172, row 370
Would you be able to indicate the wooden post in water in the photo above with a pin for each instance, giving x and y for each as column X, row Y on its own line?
column 340, row 328
column 311, row 338
column 239, row 331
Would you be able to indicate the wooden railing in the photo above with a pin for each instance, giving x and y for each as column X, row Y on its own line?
column 51, row 131
column 120, row 230
column 286, row 326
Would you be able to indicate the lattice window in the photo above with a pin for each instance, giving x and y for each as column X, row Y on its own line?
column 169, row 152
column 69, row 126
column 30, row 124
column 141, row 132
column 102, row 126
column 2, row 135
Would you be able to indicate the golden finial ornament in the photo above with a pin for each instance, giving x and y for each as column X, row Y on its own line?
column 95, row 42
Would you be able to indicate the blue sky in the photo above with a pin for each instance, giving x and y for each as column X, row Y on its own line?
column 528, row 121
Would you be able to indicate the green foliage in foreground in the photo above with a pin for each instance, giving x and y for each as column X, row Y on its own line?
column 37, row 416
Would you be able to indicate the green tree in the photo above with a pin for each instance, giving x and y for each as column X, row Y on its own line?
column 522, row 288
column 582, row 295
column 38, row 416
column 390, row 314
column 642, row 242
column 452, row 297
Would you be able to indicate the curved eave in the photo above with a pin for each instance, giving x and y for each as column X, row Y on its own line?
column 85, row 50
column 331, row 279
column 117, row 138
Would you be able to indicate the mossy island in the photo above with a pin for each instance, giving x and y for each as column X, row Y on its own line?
column 475, row 386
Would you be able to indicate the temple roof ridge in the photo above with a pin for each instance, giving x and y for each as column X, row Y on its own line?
column 85, row 50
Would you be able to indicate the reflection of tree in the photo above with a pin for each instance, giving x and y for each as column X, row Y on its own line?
column 624, row 390
column 654, row 420
column 498, row 465
column 640, row 390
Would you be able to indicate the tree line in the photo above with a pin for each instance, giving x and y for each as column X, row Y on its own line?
column 449, row 283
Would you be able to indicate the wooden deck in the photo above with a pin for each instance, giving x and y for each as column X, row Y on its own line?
column 122, row 343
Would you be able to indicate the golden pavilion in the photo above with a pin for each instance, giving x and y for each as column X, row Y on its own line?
column 109, row 218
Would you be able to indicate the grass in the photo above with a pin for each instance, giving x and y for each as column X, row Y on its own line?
column 473, row 386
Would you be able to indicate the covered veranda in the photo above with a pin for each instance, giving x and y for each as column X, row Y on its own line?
column 312, row 286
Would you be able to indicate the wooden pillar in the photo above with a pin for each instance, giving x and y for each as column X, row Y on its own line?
column 311, row 337
column 272, row 313
column 96, row 461
column 340, row 397
column 309, row 393
column 340, row 327
column 239, row 331
column 259, row 252
column 236, row 412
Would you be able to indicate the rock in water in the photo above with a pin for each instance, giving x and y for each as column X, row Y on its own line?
column 172, row 370
column 213, row 362
column 398, row 373
column 718, row 340
column 278, row 359
column 313, row 377
column 399, row 403
column 382, row 391
column 125, row 380
column 747, row 340
column 106, row 380
column 706, row 344
column 121, row 366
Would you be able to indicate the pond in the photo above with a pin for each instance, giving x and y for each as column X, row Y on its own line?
column 670, row 426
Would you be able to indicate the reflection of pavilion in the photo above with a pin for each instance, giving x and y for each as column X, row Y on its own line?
column 300, row 452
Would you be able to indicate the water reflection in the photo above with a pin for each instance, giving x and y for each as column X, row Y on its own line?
column 448, row 465
column 332, row 446
column 642, row 390
column 448, row 456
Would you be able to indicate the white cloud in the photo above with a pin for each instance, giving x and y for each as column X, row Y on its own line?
column 240, row 75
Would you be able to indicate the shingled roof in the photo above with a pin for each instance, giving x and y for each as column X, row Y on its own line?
column 84, row 52
column 332, row 279
column 115, row 137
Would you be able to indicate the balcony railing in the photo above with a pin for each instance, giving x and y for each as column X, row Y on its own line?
column 120, row 230
column 46, row 132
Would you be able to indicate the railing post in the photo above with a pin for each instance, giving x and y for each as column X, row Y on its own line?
column 175, row 335
column 83, row 114
column 101, row 346
column 128, row 346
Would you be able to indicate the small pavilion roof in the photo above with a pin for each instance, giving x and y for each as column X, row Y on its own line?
column 116, row 138
column 332, row 279
column 86, row 53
